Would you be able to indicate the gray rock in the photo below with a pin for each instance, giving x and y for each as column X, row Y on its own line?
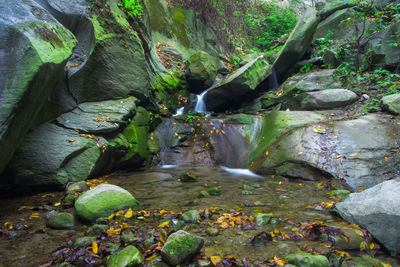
column 312, row 81
column 103, row 200
column 263, row 219
column 52, row 155
column 383, row 53
column 29, row 71
column 60, row 220
column 326, row 99
column 83, row 241
column 181, row 247
column 77, row 187
column 99, row 117
column 237, row 86
column 391, row 103
column 97, row 229
column 191, row 216
column 378, row 210
column 354, row 150
column 128, row 257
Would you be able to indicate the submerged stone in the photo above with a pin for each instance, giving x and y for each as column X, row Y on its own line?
column 303, row 259
column 60, row 220
column 83, row 241
column 181, row 247
column 263, row 219
column 128, row 257
column 97, row 229
column 103, row 200
column 213, row 191
column 191, row 216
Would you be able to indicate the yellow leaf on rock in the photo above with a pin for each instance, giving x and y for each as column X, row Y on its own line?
column 267, row 153
column 371, row 246
column 362, row 246
column 215, row 260
column 71, row 140
column 128, row 214
column 95, row 248
column 353, row 155
column 164, row 224
column 57, row 204
column 151, row 257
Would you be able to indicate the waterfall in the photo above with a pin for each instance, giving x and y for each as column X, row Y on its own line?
column 179, row 111
column 273, row 80
column 200, row 104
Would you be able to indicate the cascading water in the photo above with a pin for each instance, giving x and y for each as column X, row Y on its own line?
column 273, row 80
column 200, row 104
column 179, row 111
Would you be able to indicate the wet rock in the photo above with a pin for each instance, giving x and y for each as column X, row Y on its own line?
column 378, row 210
column 178, row 225
column 213, row 191
column 211, row 231
column 391, row 103
column 30, row 70
column 156, row 262
column 181, row 247
column 201, row 70
column 311, row 82
column 326, row 99
column 339, row 193
column 60, row 220
column 77, row 187
column 97, row 229
column 83, row 241
column 303, row 259
column 239, row 84
column 263, row 219
column 247, row 192
column 68, row 201
column 102, row 201
column 129, row 256
column 51, row 156
column 112, row 247
column 203, row 193
column 99, row 117
column 188, row 177
column 362, row 261
column 128, row 238
column 261, row 239
column 191, row 216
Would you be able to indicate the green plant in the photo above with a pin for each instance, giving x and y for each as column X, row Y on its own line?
column 133, row 8
column 345, row 72
column 306, row 68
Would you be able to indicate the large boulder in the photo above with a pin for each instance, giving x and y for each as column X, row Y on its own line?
column 391, row 103
column 52, row 155
column 181, row 247
column 240, row 85
column 378, row 210
column 103, row 200
column 99, row 117
column 326, row 99
column 34, row 48
column 201, row 70
column 116, row 66
column 298, row 43
column 304, row 259
column 385, row 52
column 349, row 149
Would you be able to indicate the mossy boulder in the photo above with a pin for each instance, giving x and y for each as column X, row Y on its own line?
column 391, row 103
column 362, row 261
column 60, row 220
column 103, row 200
column 303, row 259
column 181, row 247
column 201, row 70
column 34, row 48
column 51, row 155
column 263, row 219
column 128, row 257
column 239, row 85
column 326, row 99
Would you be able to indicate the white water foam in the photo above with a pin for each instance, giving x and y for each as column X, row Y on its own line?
column 236, row 171
column 179, row 111
column 168, row 166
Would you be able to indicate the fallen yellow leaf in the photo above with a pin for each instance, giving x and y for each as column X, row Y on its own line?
column 128, row 214
column 95, row 248
column 215, row 260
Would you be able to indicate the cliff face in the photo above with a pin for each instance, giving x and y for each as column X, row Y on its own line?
column 69, row 64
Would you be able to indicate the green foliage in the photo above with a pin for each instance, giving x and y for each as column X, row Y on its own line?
column 268, row 23
column 306, row 68
column 133, row 8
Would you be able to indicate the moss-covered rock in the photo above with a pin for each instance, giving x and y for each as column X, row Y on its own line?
column 303, row 259
column 391, row 103
column 97, row 229
column 339, row 193
column 60, row 220
column 102, row 201
column 128, row 257
column 191, row 216
column 263, row 219
column 30, row 70
column 363, row 261
column 181, row 247
column 83, row 241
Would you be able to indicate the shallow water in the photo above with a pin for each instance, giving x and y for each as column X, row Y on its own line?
column 160, row 188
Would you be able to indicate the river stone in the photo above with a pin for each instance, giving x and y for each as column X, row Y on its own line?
column 83, row 241
column 51, row 155
column 128, row 257
column 77, row 187
column 103, row 200
column 391, row 103
column 311, row 81
column 191, row 216
column 181, row 247
column 97, row 229
column 34, row 48
column 263, row 219
column 327, row 99
column 303, row 259
column 362, row 261
column 355, row 152
column 99, row 117
column 201, row 70
column 239, row 85
column 60, row 220
column 378, row 210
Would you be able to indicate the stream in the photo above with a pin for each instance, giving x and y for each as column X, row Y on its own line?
column 292, row 204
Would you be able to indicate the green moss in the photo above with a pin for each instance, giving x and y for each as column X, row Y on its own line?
column 129, row 256
column 303, row 259
column 178, row 15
